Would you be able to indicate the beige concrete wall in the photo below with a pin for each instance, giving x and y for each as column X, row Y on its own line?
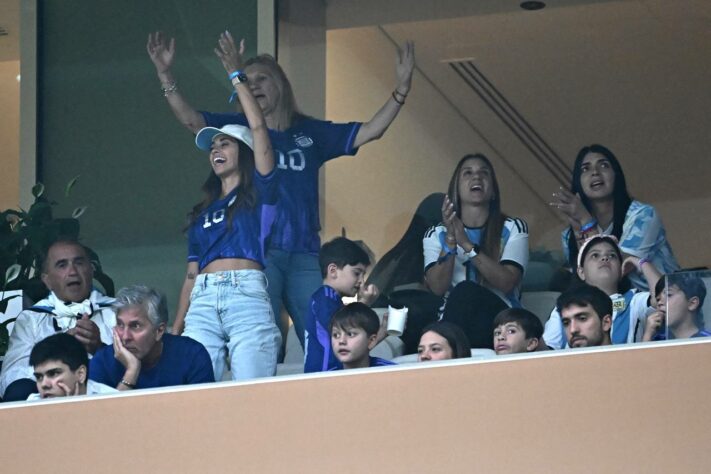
column 9, row 135
column 616, row 410
column 688, row 228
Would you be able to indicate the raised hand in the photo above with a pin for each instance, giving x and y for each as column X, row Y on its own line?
column 571, row 206
column 404, row 66
column 630, row 265
column 368, row 294
column 161, row 50
column 229, row 54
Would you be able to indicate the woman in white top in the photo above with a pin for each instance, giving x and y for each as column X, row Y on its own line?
column 477, row 256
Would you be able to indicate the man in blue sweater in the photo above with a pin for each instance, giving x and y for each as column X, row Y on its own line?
column 143, row 355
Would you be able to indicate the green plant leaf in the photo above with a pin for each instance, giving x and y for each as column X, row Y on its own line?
column 77, row 213
column 12, row 272
column 70, row 185
column 38, row 190
column 5, row 336
column 4, row 302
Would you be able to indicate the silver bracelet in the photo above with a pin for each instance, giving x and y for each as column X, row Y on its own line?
column 172, row 87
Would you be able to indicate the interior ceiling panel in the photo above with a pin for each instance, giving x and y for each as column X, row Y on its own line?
column 632, row 75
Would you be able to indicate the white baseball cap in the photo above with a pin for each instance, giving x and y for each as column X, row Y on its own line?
column 204, row 137
column 610, row 239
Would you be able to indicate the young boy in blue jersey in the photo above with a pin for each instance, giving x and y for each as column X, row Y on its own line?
column 516, row 330
column 680, row 305
column 354, row 332
column 600, row 264
column 343, row 265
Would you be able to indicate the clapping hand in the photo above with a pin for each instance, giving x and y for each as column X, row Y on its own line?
column 455, row 228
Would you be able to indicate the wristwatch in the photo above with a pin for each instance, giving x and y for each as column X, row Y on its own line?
column 473, row 252
column 239, row 76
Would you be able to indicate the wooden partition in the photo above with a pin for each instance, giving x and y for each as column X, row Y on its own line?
column 642, row 409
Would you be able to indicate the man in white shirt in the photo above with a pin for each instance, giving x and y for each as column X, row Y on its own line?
column 71, row 307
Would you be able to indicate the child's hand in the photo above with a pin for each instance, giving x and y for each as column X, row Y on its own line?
column 368, row 294
column 654, row 322
column 630, row 265
column 382, row 330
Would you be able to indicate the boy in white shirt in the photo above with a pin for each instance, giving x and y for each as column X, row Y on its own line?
column 60, row 365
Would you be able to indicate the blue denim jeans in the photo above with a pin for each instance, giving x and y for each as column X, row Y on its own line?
column 293, row 277
column 231, row 316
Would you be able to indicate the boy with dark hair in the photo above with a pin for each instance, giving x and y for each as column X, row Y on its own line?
column 600, row 264
column 343, row 265
column 516, row 330
column 354, row 332
column 60, row 365
column 680, row 305
column 586, row 313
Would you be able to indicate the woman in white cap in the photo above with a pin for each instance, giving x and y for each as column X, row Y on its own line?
column 224, row 303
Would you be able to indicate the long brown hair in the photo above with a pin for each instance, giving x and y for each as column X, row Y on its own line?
column 491, row 235
column 212, row 187
column 287, row 112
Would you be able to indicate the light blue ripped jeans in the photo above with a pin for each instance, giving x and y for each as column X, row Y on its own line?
column 230, row 315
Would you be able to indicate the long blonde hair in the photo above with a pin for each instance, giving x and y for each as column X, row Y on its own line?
column 287, row 112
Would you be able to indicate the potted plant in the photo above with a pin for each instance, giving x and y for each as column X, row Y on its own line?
column 24, row 238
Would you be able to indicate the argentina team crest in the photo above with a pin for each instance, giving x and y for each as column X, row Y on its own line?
column 303, row 141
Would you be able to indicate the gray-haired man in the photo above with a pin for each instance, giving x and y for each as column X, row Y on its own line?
column 143, row 355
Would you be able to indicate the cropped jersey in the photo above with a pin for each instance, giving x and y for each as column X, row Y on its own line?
column 211, row 238
column 299, row 152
